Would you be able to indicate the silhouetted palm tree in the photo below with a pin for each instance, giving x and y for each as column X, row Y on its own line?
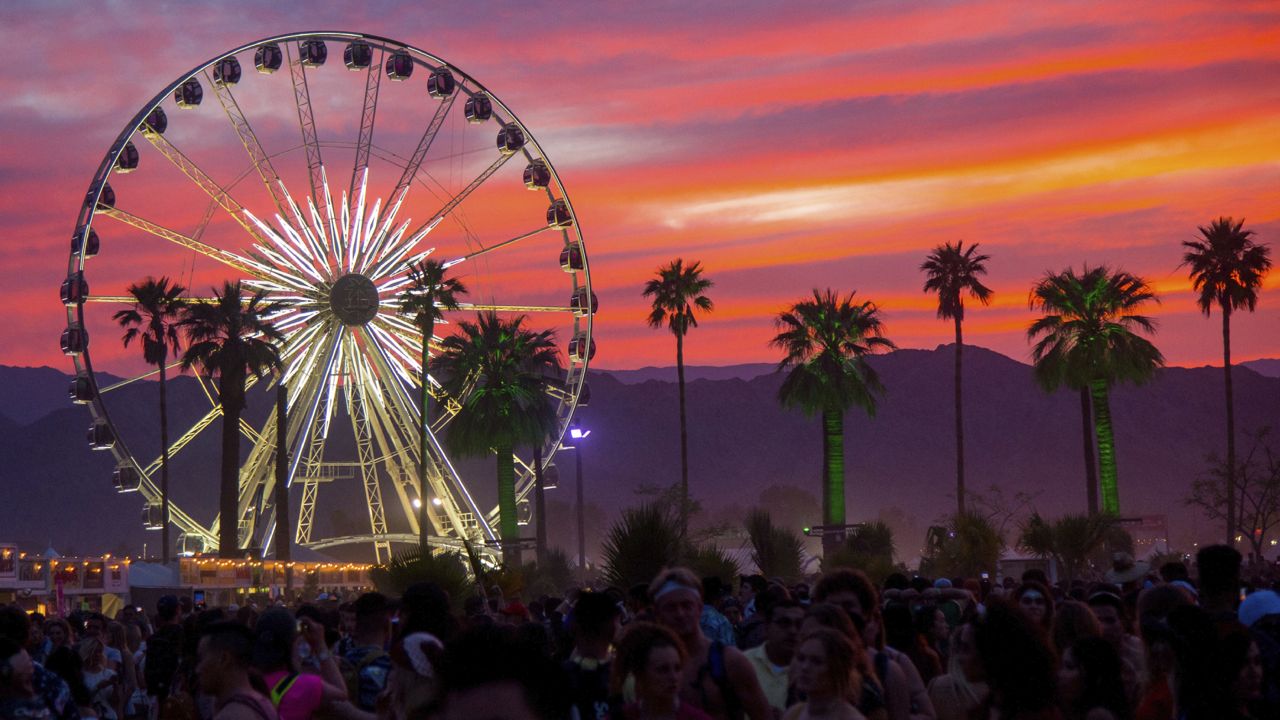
column 153, row 319
column 231, row 337
column 951, row 272
column 429, row 294
column 500, row 369
column 1090, row 341
column 826, row 342
column 1227, row 269
column 678, row 294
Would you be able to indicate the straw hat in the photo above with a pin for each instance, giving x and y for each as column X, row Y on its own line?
column 1125, row 570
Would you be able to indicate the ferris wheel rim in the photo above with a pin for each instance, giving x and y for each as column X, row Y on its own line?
column 76, row 316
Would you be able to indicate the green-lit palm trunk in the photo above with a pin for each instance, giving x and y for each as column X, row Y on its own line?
column 1090, row 464
column 164, row 462
column 959, row 423
column 1106, row 446
column 231, row 390
column 424, row 501
column 833, row 516
column 508, row 527
column 1232, row 518
column 684, row 441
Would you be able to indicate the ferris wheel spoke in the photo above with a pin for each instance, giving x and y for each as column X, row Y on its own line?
column 227, row 258
column 403, row 404
column 261, row 161
column 202, row 180
column 121, row 383
column 307, row 122
column 185, row 439
column 516, row 308
column 424, row 144
column 368, row 112
column 499, row 246
column 453, row 202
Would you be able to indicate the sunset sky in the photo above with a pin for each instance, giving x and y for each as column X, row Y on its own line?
column 787, row 146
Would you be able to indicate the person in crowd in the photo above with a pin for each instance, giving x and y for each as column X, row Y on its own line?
column 595, row 622
column 823, row 671
column 1113, row 618
column 1019, row 665
column 1036, row 601
column 424, row 608
column 66, row 662
column 18, row 699
column 901, row 634
column 490, row 666
column 1089, row 682
column 962, row 688
column 753, row 629
column 718, row 678
column 653, row 657
column 1154, row 606
column 115, row 638
column 57, row 633
column 1072, row 621
column 37, row 646
column 871, row 699
column 905, row 697
column 51, row 688
column 1219, row 568
column 225, row 653
column 714, row 624
column 1260, row 612
column 346, row 628
column 104, row 684
column 295, row 695
column 95, row 626
column 771, row 659
column 367, row 664
column 748, row 588
column 164, row 650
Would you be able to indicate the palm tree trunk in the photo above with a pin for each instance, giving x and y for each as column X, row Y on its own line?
column 507, row 524
column 283, row 551
column 684, row 442
column 1231, row 427
column 1106, row 446
column 959, row 424
column 1090, row 464
column 539, row 506
column 833, row 471
column 229, row 487
column 424, row 502
column 164, row 464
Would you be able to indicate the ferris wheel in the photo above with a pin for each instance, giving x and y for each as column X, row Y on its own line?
column 262, row 165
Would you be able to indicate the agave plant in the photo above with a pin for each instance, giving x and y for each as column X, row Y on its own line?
column 969, row 545
column 639, row 545
column 711, row 560
column 447, row 570
column 776, row 551
column 868, row 547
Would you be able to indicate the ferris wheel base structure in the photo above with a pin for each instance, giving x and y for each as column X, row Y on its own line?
column 336, row 256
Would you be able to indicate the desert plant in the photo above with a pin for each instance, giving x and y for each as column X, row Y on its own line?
column 447, row 570
column 640, row 544
column 776, row 551
column 968, row 546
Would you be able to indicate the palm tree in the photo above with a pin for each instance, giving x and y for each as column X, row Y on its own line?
column 678, row 294
column 429, row 294
column 229, row 338
column 951, row 271
column 1090, row 341
column 776, row 551
column 153, row 319
column 1227, row 269
column 1070, row 540
column 505, row 367
column 826, row 342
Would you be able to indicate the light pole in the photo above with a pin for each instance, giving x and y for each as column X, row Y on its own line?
column 578, row 435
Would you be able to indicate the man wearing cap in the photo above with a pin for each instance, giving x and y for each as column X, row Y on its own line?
column 595, row 621
column 718, row 679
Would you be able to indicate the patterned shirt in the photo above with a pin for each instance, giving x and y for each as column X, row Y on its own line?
column 716, row 626
column 373, row 666
column 55, row 692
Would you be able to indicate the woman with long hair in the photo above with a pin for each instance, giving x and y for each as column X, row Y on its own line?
column 823, row 670
column 103, row 682
column 869, row 699
column 1089, row 682
column 296, row 695
column 654, row 657
column 963, row 687
column 1019, row 664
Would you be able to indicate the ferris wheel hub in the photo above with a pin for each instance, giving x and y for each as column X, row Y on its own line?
column 354, row 299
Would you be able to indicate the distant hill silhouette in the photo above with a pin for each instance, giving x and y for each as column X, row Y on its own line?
column 1266, row 366
column 745, row 371
column 741, row 442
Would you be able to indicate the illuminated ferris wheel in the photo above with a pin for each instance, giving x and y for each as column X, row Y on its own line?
column 278, row 179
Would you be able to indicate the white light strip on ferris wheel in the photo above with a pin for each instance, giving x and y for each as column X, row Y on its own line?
column 296, row 241
column 334, row 239
column 316, row 250
column 319, row 226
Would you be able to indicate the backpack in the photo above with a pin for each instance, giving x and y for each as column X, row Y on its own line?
column 164, row 653
column 351, row 671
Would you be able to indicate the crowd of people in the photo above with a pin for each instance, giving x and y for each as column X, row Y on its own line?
column 1165, row 645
